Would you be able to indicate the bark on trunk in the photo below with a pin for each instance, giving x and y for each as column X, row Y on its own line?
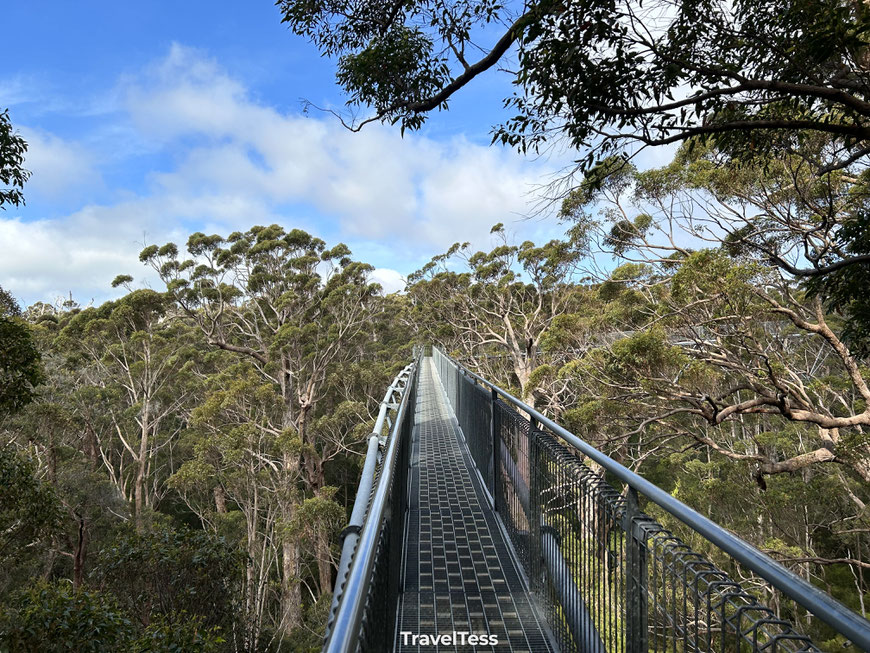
column 220, row 500
column 291, row 590
column 139, row 487
column 524, row 373
column 324, row 560
column 80, row 554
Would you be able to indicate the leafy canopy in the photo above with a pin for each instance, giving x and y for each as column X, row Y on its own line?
column 12, row 173
column 611, row 75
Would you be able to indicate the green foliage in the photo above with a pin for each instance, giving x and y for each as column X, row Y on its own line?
column 396, row 63
column 12, row 173
column 180, row 634
column 612, row 176
column 646, row 352
column 762, row 74
column 20, row 368
column 54, row 617
column 29, row 508
column 845, row 289
column 121, row 280
column 174, row 573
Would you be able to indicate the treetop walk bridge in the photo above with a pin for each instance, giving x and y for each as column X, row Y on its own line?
column 481, row 525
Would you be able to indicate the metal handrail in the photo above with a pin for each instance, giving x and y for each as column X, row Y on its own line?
column 363, row 531
column 822, row 605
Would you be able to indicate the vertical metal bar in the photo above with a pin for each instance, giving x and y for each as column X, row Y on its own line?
column 495, row 436
column 636, row 599
column 534, row 512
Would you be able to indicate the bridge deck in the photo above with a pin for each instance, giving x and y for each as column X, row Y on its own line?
column 459, row 575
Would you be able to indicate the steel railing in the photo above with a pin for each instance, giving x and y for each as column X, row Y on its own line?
column 367, row 585
column 610, row 577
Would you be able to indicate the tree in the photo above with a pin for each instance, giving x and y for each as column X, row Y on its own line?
column 729, row 375
column 55, row 617
column 810, row 227
column 61, row 430
column 12, row 174
column 174, row 575
column 731, row 330
column 260, row 296
column 20, row 370
column 140, row 356
column 613, row 75
column 29, row 510
column 500, row 307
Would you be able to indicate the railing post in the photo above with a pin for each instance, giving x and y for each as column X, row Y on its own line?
column 535, row 553
column 494, row 437
column 636, row 626
column 458, row 407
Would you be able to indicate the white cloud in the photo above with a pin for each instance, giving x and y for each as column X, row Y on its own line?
column 391, row 281
column 230, row 162
column 374, row 183
column 16, row 90
column 59, row 167
column 81, row 254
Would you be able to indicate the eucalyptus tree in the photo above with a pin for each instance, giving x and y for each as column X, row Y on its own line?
column 140, row 359
column 237, row 482
column 610, row 76
column 291, row 310
column 63, row 458
column 30, row 515
column 501, row 304
column 738, row 256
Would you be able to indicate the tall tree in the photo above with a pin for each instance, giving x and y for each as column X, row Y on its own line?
column 140, row 356
column 500, row 307
column 20, row 369
column 261, row 295
column 723, row 251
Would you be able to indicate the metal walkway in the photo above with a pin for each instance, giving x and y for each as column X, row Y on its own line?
column 459, row 575
column 428, row 564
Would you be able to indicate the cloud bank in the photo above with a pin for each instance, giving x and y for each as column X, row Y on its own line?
column 218, row 159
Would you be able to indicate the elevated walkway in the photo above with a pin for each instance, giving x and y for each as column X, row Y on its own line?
column 459, row 573
column 482, row 525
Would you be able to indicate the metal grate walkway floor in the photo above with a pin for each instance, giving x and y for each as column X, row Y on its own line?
column 459, row 576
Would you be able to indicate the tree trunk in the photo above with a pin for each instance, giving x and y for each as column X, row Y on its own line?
column 80, row 554
column 139, row 488
column 523, row 371
column 220, row 500
column 92, row 448
column 291, row 589
column 324, row 560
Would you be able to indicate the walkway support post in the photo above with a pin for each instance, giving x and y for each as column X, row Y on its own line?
column 636, row 583
column 495, row 436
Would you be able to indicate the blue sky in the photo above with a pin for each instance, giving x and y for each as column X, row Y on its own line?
column 148, row 121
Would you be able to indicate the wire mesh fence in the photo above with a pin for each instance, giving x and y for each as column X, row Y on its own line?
column 608, row 576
